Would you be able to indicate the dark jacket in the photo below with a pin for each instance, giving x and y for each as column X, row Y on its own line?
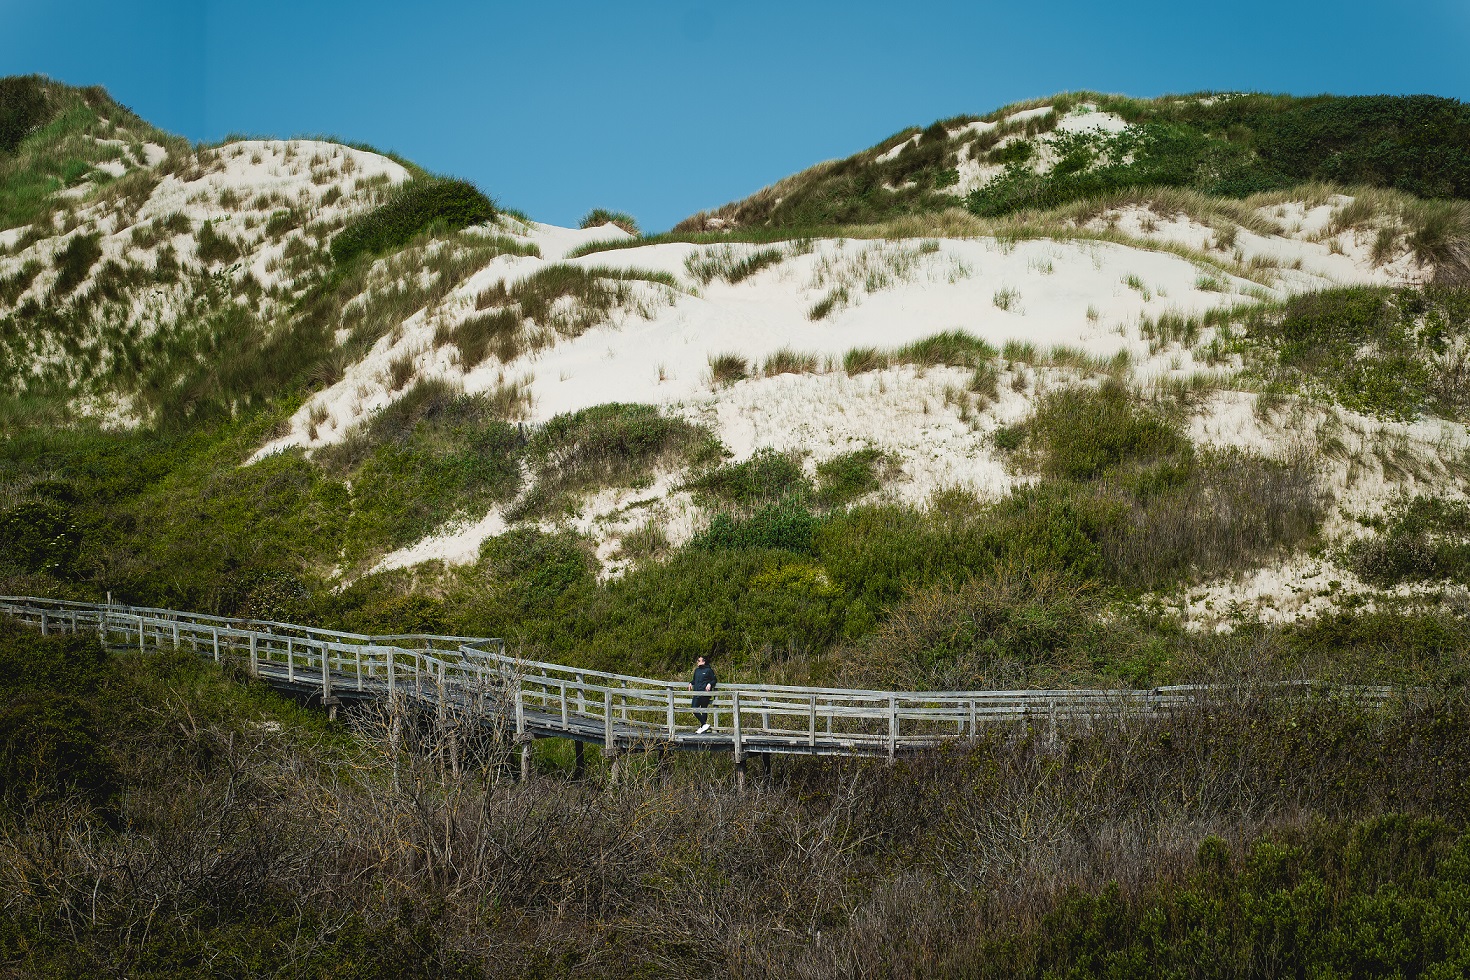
column 702, row 676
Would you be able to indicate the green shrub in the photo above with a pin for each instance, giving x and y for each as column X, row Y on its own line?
column 848, row 476
column 50, row 747
column 1080, row 433
column 598, row 217
column 1374, row 350
column 1426, row 538
column 766, row 476
column 75, row 261
column 985, row 631
column 785, row 525
column 22, row 109
column 1415, row 143
column 214, row 248
column 433, row 454
column 39, row 536
column 608, row 445
column 419, row 207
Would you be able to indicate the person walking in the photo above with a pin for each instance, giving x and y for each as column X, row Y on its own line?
column 704, row 680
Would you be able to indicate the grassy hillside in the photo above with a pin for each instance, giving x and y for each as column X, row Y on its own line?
column 1221, row 412
column 205, row 310
column 1230, row 146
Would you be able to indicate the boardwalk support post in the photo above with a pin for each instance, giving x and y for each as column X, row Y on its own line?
column 579, row 765
column 526, row 748
column 892, row 727
column 609, row 742
column 739, row 747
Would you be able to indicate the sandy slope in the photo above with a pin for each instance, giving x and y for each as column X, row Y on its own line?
column 1087, row 296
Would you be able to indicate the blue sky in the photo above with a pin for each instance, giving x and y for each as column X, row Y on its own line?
column 664, row 108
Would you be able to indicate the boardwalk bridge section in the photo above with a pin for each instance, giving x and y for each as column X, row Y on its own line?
column 619, row 713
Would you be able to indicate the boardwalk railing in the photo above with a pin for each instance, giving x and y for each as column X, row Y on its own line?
column 615, row 710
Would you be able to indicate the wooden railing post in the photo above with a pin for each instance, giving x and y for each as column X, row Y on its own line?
column 254, row 657
column 739, row 747
column 443, row 702
column 215, row 633
column 892, row 727
column 609, row 744
column 812, row 735
column 565, row 722
column 327, row 682
column 671, row 712
column 735, row 723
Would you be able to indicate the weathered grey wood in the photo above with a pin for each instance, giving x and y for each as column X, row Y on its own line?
column 462, row 671
column 735, row 721
column 607, row 718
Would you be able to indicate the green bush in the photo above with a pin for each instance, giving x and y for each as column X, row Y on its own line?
column 986, row 631
column 75, row 261
column 1425, row 538
column 1374, row 350
column 848, row 476
column 1081, row 433
column 598, row 217
column 1416, row 143
column 785, row 525
column 766, row 476
column 1245, row 144
column 608, row 445
column 214, row 248
column 39, row 536
column 419, row 207
column 22, row 109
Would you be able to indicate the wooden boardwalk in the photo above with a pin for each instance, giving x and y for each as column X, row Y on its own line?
column 617, row 712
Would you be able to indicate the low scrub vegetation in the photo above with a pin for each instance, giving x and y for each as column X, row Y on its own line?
column 1392, row 352
column 420, row 206
column 609, row 445
column 1423, row 539
column 565, row 301
column 1220, row 836
column 598, row 217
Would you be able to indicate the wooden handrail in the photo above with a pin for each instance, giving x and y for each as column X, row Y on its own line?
column 550, row 699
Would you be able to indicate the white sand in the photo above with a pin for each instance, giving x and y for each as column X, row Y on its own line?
column 663, row 359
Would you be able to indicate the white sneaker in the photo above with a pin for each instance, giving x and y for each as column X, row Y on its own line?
column 701, row 729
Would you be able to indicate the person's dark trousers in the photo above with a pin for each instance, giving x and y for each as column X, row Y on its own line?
column 701, row 702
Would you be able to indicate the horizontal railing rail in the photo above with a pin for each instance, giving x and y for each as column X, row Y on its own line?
column 457, row 672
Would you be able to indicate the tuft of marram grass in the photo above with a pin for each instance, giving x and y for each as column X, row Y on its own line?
column 728, row 368
column 788, row 361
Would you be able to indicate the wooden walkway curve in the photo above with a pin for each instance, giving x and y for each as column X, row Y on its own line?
column 620, row 713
